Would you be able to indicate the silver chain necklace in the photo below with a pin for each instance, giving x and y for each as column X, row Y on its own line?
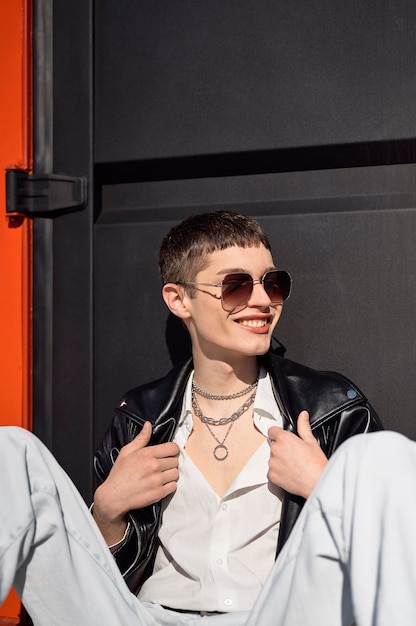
column 230, row 396
column 221, row 451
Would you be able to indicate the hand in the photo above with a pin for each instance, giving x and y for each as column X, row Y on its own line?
column 141, row 475
column 296, row 462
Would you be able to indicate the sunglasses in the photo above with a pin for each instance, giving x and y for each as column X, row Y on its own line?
column 236, row 289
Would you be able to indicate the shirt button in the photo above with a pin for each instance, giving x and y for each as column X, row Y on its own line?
column 224, row 507
column 219, row 561
column 228, row 602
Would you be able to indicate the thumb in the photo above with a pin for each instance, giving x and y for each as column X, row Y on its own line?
column 304, row 427
column 273, row 433
column 143, row 438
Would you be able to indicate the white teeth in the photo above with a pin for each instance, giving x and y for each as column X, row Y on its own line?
column 254, row 323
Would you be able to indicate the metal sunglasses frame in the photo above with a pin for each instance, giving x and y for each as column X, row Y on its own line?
column 254, row 282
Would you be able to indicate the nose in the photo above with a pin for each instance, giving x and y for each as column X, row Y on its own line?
column 258, row 295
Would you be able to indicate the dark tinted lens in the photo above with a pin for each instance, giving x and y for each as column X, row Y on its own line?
column 236, row 289
column 277, row 285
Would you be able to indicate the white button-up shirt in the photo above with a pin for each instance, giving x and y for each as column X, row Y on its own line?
column 215, row 553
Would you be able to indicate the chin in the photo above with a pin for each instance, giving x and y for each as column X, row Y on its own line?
column 260, row 349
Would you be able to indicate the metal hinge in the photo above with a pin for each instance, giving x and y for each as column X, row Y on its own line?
column 44, row 195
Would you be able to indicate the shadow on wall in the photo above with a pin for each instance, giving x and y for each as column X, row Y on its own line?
column 177, row 340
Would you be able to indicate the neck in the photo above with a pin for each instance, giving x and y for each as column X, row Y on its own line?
column 222, row 377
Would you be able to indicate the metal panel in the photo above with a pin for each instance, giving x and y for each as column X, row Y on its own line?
column 62, row 293
column 179, row 78
column 345, row 235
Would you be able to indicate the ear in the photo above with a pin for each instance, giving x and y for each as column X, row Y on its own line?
column 175, row 298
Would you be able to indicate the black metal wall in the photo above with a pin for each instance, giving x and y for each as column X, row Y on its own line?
column 302, row 114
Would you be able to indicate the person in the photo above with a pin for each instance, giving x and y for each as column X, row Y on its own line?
column 172, row 511
column 203, row 474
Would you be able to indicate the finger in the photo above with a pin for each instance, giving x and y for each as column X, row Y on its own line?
column 159, row 451
column 167, row 463
column 171, row 476
column 304, row 427
column 273, row 433
column 168, row 488
column 166, row 450
column 142, row 439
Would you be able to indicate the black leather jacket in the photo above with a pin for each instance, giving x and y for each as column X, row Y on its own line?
column 337, row 410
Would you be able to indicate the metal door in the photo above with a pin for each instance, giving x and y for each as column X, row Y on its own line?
column 301, row 114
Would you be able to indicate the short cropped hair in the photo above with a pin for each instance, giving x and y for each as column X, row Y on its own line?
column 183, row 252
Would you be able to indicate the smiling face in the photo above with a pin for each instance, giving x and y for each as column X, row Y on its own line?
column 218, row 334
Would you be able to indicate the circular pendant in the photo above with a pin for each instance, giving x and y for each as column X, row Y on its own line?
column 223, row 454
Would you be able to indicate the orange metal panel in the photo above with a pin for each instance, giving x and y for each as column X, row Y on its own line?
column 15, row 288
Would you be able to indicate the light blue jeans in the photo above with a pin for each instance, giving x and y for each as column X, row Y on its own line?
column 351, row 557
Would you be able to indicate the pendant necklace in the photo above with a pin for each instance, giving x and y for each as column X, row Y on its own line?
column 221, row 451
